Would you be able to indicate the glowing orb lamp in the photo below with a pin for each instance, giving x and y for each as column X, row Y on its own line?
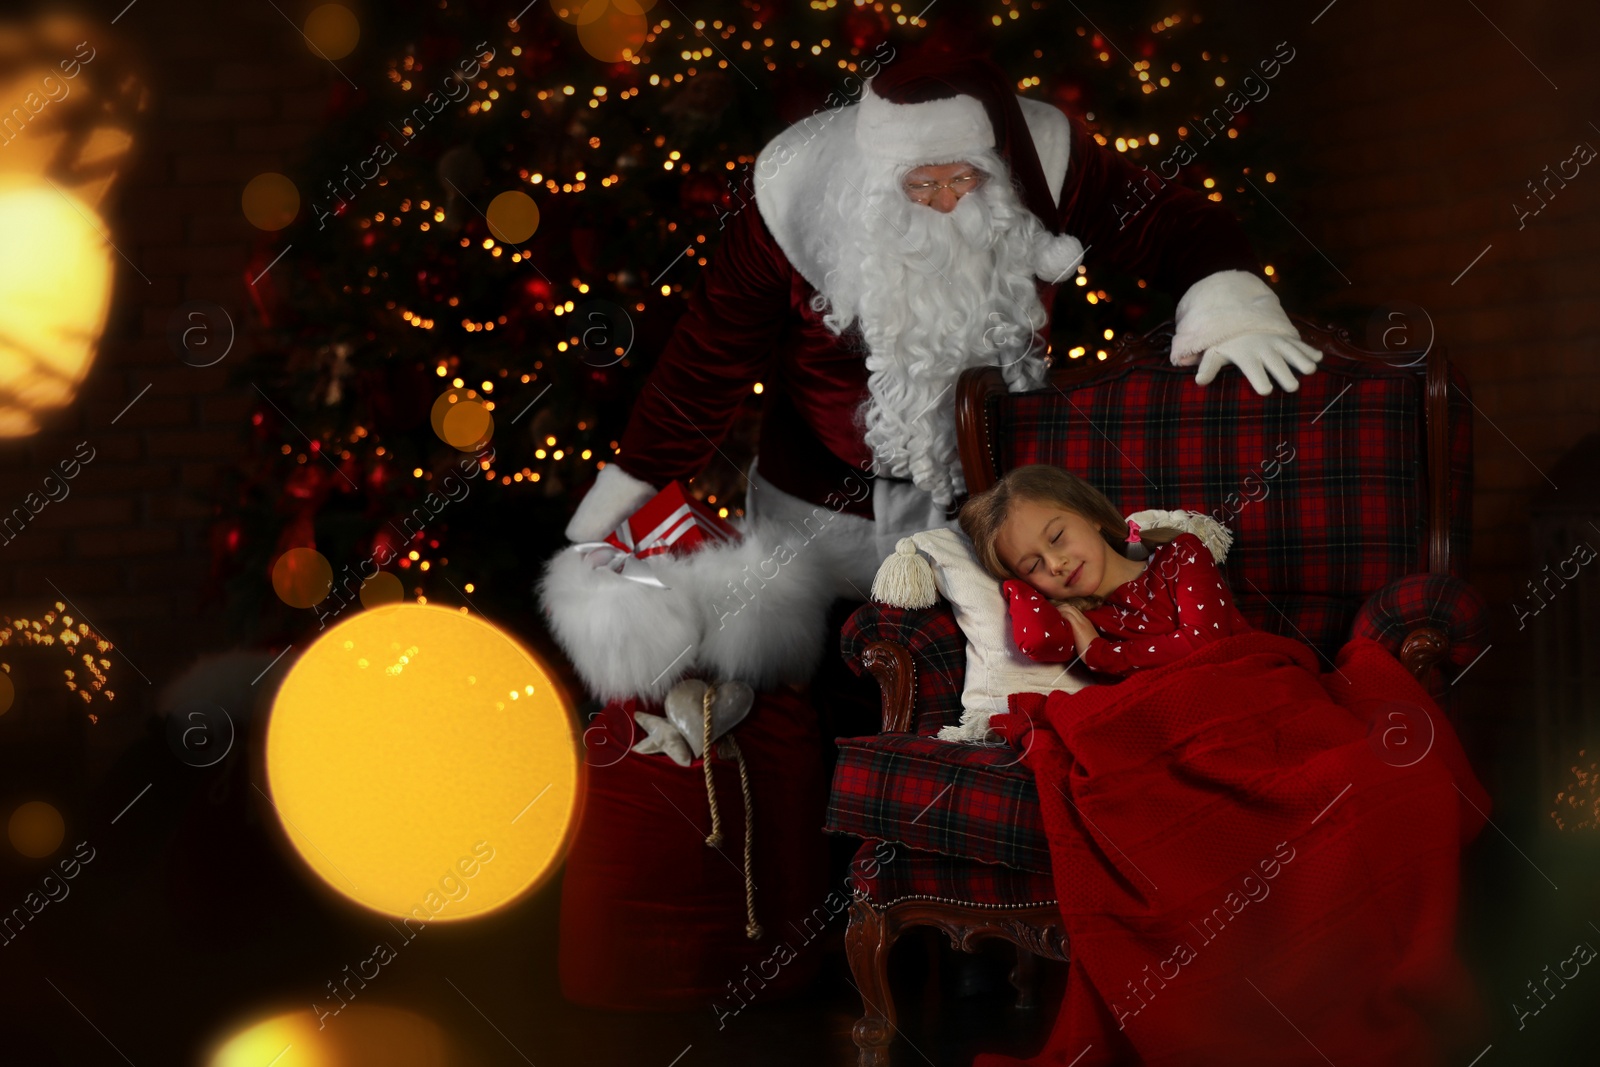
column 361, row 1035
column 423, row 763
column 55, row 290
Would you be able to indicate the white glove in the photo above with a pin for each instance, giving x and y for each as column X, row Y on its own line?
column 1259, row 355
column 615, row 495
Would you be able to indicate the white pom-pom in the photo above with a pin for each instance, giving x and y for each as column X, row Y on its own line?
column 905, row 580
column 1055, row 256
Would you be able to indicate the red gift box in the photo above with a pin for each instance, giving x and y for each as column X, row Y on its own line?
column 671, row 521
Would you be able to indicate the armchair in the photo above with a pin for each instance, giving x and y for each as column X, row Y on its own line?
column 1350, row 506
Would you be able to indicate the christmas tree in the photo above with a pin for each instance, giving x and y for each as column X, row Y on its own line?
column 498, row 227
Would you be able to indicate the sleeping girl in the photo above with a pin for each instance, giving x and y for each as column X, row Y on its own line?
column 1057, row 544
column 1159, row 793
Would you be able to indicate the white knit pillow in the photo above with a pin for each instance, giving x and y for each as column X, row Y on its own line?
column 995, row 667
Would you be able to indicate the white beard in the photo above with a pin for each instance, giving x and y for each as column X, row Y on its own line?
column 935, row 293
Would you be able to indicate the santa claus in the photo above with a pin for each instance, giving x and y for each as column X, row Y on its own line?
column 892, row 244
column 920, row 232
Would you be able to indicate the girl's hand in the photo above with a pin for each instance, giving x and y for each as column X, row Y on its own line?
column 1083, row 631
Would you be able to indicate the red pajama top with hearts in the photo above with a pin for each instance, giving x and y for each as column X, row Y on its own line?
column 1177, row 604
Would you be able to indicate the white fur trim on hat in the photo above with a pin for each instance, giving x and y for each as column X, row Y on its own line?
column 615, row 495
column 797, row 169
column 935, row 131
column 1222, row 306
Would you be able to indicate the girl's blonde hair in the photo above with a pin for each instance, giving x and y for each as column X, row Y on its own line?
column 982, row 515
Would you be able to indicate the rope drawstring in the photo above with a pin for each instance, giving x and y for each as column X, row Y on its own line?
column 714, row 839
column 752, row 929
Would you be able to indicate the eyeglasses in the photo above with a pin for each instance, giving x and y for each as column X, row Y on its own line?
column 923, row 192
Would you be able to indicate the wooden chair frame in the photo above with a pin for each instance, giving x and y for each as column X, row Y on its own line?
column 1038, row 930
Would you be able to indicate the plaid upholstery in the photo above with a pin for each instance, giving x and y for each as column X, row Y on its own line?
column 886, row 874
column 1325, row 489
column 976, row 801
column 938, row 654
column 1446, row 604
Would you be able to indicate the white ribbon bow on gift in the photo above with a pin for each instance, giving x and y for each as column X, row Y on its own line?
column 603, row 555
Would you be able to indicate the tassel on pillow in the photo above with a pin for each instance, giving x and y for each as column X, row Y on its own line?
column 905, row 580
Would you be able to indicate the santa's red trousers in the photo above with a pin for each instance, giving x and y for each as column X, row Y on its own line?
column 1257, row 863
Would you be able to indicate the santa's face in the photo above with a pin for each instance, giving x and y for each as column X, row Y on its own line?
column 940, row 186
column 1058, row 552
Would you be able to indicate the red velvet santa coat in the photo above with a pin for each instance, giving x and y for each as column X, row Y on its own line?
column 749, row 318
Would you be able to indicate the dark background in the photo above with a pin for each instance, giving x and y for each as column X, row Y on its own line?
column 1409, row 132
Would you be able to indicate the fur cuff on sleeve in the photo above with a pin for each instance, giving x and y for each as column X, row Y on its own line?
column 755, row 610
column 615, row 495
column 1222, row 306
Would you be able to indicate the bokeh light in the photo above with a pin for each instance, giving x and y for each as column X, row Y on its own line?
column 513, row 217
column 382, row 588
column 359, row 1035
column 422, row 763
column 332, row 31
column 270, row 201
column 461, row 421
column 8, row 692
column 302, row 577
column 36, row 829
column 615, row 35
column 580, row 12
column 55, row 290
column 468, row 426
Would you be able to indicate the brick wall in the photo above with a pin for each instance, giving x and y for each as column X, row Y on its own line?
column 232, row 92
column 1421, row 125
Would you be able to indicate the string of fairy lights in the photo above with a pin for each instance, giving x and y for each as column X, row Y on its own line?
column 1577, row 805
column 83, row 647
column 672, row 54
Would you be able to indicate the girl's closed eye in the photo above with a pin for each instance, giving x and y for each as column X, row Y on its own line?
column 1033, row 567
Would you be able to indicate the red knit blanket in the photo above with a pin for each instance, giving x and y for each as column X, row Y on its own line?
column 1257, row 862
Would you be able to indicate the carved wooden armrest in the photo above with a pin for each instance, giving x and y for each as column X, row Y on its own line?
column 1422, row 648
column 890, row 663
column 1426, row 621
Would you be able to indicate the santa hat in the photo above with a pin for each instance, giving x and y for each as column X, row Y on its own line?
column 942, row 107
